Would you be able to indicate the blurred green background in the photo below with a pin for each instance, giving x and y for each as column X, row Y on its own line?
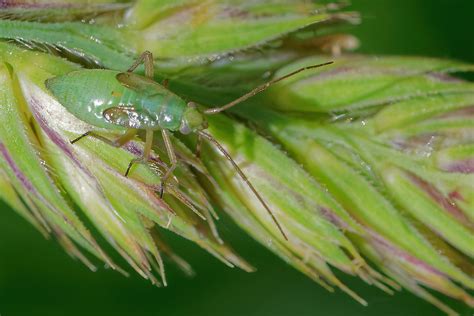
column 38, row 279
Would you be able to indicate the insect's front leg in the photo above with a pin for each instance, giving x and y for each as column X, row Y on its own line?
column 198, row 146
column 147, row 58
column 172, row 157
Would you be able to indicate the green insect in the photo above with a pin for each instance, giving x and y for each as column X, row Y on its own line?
column 129, row 102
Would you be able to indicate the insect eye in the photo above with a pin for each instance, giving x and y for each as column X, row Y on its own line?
column 184, row 128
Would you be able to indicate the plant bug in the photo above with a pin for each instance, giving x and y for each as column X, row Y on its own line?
column 130, row 102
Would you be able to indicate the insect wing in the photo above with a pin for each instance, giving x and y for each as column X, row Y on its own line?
column 130, row 117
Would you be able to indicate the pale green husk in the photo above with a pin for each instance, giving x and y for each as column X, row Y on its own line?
column 367, row 163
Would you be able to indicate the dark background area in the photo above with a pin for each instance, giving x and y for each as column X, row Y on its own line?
column 438, row 28
column 38, row 279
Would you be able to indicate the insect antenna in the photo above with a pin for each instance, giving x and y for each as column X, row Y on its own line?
column 244, row 177
column 261, row 88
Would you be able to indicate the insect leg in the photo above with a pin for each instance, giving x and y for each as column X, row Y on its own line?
column 118, row 142
column 198, row 146
column 172, row 157
column 146, row 152
column 147, row 58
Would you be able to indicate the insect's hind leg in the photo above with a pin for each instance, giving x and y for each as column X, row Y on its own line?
column 172, row 157
column 147, row 58
column 118, row 142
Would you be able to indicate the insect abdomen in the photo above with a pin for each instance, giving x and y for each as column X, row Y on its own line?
column 87, row 93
